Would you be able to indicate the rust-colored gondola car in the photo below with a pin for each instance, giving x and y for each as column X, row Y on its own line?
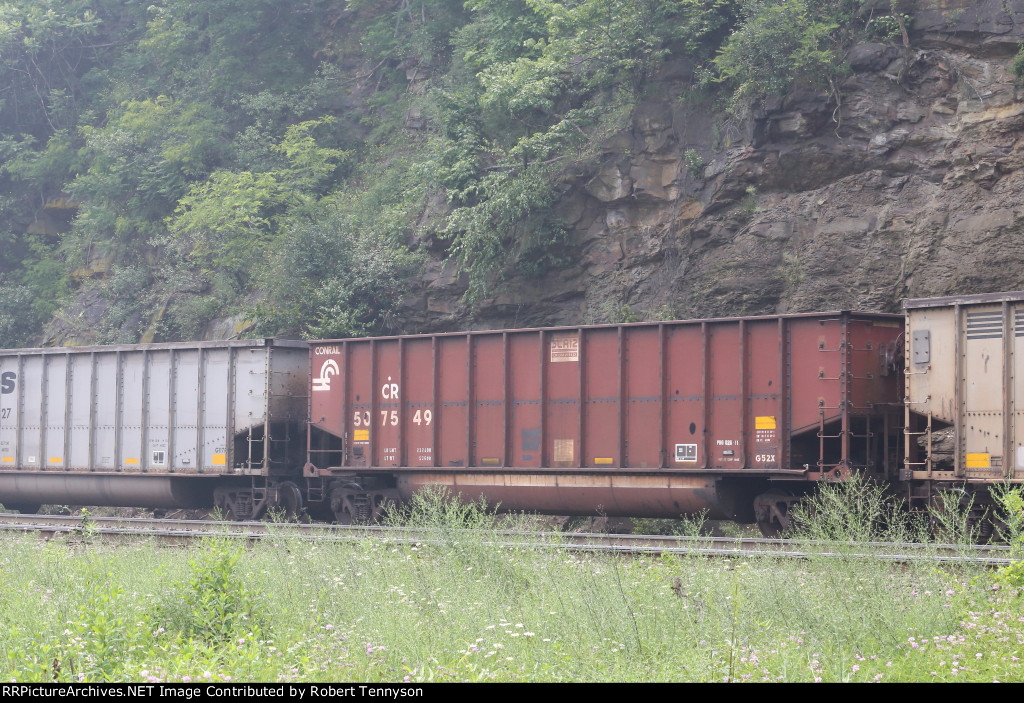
column 734, row 416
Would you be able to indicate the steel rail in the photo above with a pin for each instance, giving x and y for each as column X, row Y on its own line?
column 50, row 526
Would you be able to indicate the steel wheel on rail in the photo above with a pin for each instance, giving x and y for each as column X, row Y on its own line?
column 771, row 511
column 342, row 503
column 289, row 500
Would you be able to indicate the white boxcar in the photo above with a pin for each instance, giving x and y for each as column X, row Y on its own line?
column 87, row 425
column 965, row 372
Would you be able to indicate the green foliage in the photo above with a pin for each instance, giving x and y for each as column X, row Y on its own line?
column 226, row 48
column 216, row 604
column 551, row 251
column 32, row 284
column 1017, row 64
column 855, row 510
column 510, row 204
column 331, row 278
column 193, row 305
column 1010, row 503
column 436, row 507
column 45, row 49
column 104, row 626
column 1009, row 500
column 412, row 28
column 141, row 163
column 16, row 327
column 224, row 221
column 954, row 517
column 478, row 604
column 97, row 642
column 500, row 32
column 889, row 26
column 694, row 163
column 626, row 314
column 48, row 169
column 227, row 223
column 777, row 43
column 549, row 89
column 749, row 202
column 131, row 305
column 310, row 164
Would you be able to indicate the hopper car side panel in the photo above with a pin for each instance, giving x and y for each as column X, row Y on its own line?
column 524, row 366
column 715, row 395
column 451, row 405
column 419, row 418
column 800, row 397
column 115, row 417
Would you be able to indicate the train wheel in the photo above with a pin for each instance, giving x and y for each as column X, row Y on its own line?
column 343, row 515
column 242, row 512
column 771, row 511
column 352, row 504
column 341, row 503
column 238, row 505
column 24, row 509
column 384, row 503
column 289, row 500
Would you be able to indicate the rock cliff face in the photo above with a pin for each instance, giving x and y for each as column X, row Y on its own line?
column 911, row 186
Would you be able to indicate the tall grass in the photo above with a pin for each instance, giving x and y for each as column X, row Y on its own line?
column 857, row 511
column 472, row 605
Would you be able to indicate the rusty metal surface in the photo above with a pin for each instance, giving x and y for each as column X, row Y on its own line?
column 712, row 396
column 578, row 494
column 631, row 325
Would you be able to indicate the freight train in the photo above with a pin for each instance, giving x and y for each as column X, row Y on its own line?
column 735, row 417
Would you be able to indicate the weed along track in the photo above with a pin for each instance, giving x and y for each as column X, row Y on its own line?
column 102, row 529
column 456, row 593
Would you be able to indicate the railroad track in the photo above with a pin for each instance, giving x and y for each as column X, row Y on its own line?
column 178, row 531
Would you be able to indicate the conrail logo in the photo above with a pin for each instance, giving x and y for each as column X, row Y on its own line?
column 7, row 382
column 328, row 369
